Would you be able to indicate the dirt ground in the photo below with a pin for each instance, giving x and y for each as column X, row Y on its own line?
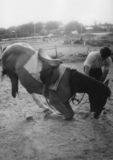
column 52, row 138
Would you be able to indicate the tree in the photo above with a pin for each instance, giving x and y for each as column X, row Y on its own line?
column 2, row 32
column 25, row 30
column 38, row 27
column 52, row 26
column 74, row 25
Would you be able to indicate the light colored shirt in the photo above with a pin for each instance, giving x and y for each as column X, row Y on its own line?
column 94, row 60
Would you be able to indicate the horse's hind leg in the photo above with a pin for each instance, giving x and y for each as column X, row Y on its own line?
column 92, row 105
column 63, row 108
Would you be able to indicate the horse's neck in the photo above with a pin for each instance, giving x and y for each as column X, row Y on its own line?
column 83, row 84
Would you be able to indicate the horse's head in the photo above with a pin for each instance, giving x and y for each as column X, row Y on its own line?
column 98, row 92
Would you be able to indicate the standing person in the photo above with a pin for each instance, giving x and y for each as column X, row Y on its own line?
column 97, row 64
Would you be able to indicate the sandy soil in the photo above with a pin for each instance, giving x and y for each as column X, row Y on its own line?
column 52, row 138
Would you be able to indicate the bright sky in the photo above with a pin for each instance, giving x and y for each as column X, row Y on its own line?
column 17, row 12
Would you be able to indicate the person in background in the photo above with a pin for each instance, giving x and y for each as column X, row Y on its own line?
column 97, row 64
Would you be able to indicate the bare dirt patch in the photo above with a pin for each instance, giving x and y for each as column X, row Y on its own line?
column 52, row 138
column 84, row 138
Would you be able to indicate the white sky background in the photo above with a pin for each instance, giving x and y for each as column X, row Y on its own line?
column 17, row 12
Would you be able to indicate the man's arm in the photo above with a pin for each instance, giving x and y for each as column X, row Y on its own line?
column 106, row 69
column 104, row 74
column 86, row 69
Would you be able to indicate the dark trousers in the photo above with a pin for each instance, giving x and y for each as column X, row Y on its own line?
column 96, row 73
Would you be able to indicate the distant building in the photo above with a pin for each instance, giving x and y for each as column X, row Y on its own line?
column 75, row 32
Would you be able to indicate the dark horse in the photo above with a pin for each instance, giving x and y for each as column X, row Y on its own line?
column 14, row 58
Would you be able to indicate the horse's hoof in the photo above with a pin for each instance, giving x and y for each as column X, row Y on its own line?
column 47, row 114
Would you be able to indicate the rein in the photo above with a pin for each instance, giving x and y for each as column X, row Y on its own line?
column 73, row 98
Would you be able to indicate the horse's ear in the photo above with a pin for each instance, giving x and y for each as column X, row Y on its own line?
column 106, row 82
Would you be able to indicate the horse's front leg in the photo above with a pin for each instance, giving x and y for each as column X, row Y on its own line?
column 39, row 101
column 42, row 103
column 63, row 107
column 95, row 107
column 91, row 101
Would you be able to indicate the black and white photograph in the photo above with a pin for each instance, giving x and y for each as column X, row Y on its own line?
column 56, row 80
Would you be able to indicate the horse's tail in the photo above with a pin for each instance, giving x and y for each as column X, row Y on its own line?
column 6, row 70
column 14, row 83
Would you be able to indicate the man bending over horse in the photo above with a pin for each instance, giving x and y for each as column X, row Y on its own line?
column 97, row 64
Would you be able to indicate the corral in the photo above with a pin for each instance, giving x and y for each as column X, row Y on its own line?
column 52, row 138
